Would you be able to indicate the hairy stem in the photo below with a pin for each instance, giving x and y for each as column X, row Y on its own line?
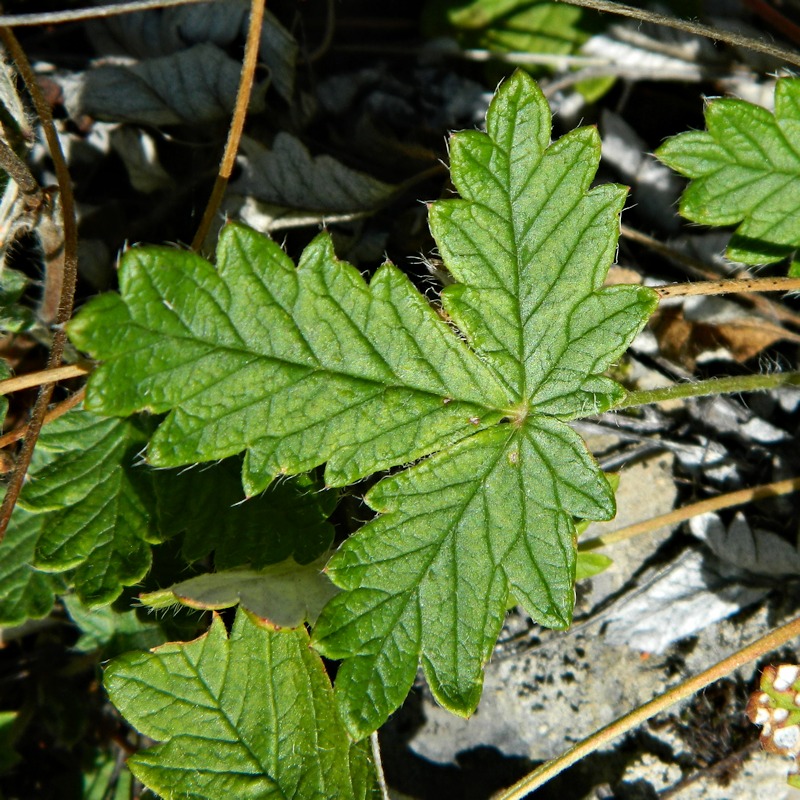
column 377, row 761
column 712, row 386
column 772, row 641
column 19, row 171
column 68, row 277
column 237, row 121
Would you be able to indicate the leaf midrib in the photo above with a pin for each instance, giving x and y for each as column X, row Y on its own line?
column 215, row 347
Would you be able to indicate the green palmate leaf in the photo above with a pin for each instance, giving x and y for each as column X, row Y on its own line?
column 299, row 366
column 745, row 169
column 530, row 247
column 285, row 595
column 247, row 716
column 25, row 593
column 289, row 519
column 94, row 503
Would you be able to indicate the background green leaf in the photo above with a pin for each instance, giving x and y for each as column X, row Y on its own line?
column 110, row 630
column 96, row 504
column 250, row 715
column 523, row 26
column 8, row 756
column 745, row 168
column 290, row 518
column 25, row 592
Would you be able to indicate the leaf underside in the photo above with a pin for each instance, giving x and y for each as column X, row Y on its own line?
column 745, row 171
column 307, row 365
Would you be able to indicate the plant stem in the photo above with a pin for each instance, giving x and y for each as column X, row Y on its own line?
column 732, row 286
column 712, row 386
column 237, row 120
column 591, row 744
column 715, row 34
column 19, row 171
column 68, row 274
column 378, row 763
column 695, row 509
column 42, row 377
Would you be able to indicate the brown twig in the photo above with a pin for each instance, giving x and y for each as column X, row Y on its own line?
column 79, row 14
column 237, row 121
column 699, row 269
column 732, row 286
column 68, row 279
column 42, row 377
column 766, row 644
column 54, row 413
column 695, row 28
column 677, row 515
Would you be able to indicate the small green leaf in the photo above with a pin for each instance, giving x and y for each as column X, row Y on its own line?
column 94, row 503
column 25, row 593
column 590, row 564
column 105, row 780
column 745, row 169
column 250, row 715
column 284, row 595
column 288, row 519
column 5, row 372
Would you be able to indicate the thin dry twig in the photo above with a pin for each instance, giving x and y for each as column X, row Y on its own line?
column 54, row 413
column 67, row 279
column 80, row 14
column 677, row 515
column 732, row 286
column 700, row 269
column 237, row 121
column 695, row 28
column 42, row 377
column 540, row 776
